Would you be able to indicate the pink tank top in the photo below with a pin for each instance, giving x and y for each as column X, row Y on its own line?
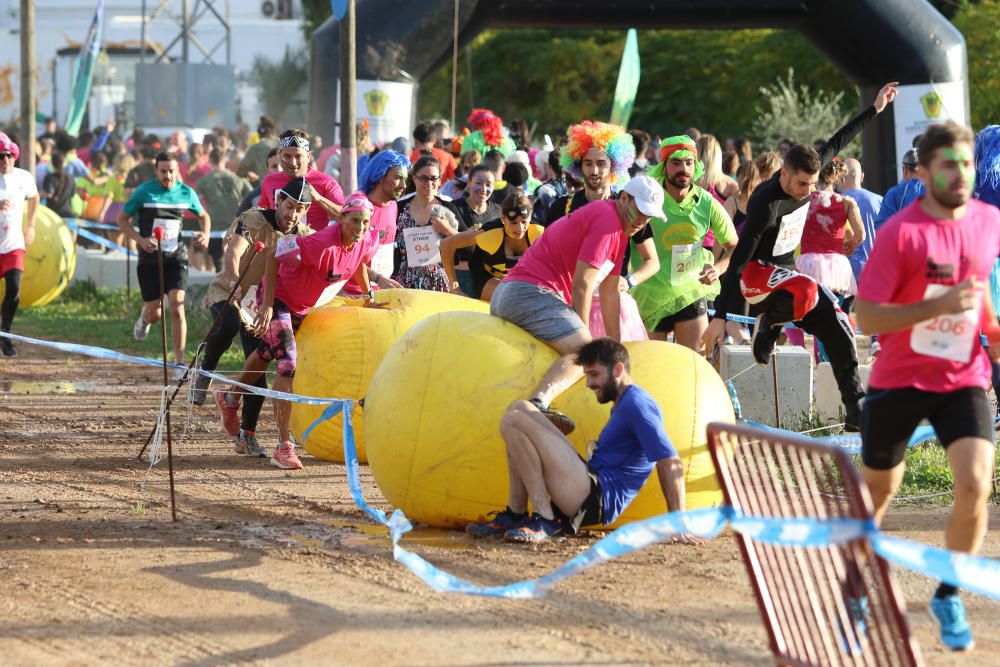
column 825, row 222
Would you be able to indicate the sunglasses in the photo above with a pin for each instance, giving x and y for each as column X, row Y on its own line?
column 6, row 155
column 518, row 213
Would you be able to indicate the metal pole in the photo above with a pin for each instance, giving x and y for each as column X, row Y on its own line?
column 454, row 69
column 184, row 31
column 229, row 35
column 348, row 138
column 28, row 85
column 163, row 332
column 142, row 36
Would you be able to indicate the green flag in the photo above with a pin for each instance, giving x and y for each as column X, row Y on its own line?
column 83, row 71
column 628, row 81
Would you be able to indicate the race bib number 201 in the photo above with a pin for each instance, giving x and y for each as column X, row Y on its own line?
column 682, row 263
column 948, row 337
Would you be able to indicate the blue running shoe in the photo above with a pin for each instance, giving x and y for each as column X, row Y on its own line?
column 498, row 524
column 955, row 631
column 858, row 609
column 536, row 528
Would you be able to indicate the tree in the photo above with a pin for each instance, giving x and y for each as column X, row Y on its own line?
column 978, row 23
column 279, row 81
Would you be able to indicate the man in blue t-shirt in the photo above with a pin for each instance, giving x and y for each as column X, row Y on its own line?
column 869, row 205
column 903, row 193
column 565, row 491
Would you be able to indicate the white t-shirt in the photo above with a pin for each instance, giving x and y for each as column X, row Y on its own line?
column 15, row 187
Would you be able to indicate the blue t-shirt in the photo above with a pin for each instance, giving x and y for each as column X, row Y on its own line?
column 628, row 448
column 897, row 198
column 869, row 205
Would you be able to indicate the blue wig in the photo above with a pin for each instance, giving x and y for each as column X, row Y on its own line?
column 988, row 165
column 378, row 166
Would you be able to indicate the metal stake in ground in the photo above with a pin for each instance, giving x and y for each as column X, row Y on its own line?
column 774, row 375
column 158, row 233
column 257, row 249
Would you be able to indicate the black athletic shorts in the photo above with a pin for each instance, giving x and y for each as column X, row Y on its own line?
column 175, row 276
column 891, row 415
column 591, row 510
column 689, row 312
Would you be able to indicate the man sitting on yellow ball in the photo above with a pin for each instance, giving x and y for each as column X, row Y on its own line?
column 567, row 492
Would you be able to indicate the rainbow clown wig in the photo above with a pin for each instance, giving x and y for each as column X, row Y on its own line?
column 612, row 139
column 487, row 133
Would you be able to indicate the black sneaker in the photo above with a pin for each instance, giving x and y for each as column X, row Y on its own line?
column 8, row 348
column 558, row 419
column 200, row 391
column 537, row 528
column 499, row 524
column 765, row 337
column 852, row 416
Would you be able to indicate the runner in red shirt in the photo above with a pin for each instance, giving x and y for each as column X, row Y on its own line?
column 922, row 291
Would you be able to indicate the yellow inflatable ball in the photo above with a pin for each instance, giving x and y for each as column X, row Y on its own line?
column 339, row 348
column 50, row 262
column 433, row 411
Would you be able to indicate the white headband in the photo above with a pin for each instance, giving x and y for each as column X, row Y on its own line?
column 294, row 141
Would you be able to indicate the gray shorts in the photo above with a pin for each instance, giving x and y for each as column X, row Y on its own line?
column 537, row 310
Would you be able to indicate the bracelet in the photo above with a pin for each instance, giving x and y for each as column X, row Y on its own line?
column 630, row 280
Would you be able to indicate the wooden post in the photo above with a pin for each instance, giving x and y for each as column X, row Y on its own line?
column 27, row 138
column 348, row 137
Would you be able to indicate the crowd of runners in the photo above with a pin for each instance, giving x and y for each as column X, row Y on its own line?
column 609, row 236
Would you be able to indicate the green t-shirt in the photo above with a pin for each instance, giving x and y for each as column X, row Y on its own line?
column 152, row 205
column 222, row 192
column 255, row 159
column 110, row 188
column 678, row 240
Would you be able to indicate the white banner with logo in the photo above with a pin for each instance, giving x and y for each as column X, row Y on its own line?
column 388, row 107
column 919, row 105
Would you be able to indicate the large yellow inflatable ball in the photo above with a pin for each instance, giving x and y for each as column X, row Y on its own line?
column 433, row 411
column 50, row 262
column 339, row 348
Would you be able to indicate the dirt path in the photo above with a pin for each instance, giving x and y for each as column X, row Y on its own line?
column 269, row 567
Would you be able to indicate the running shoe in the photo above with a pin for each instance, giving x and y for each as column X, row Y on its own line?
column 141, row 329
column 950, row 614
column 230, row 413
column 536, row 528
column 857, row 607
column 201, row 385
column 852, row 416
column 558, row 419
column 246, row 444
column 8, row 348
column 286, row 458
column 765, row 337
column 178, row 374
column 499, row 524
column 873, row 351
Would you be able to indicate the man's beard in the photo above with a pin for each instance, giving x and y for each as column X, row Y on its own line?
column 607, row 392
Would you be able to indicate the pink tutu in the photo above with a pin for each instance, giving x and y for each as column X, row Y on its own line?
column 831, row 270
column 632, row 327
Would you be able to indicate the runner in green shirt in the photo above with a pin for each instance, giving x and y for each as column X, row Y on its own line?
column 676, row 298
column 222, row 191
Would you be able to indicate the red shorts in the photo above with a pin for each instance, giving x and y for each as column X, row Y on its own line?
column 760, row 280
column 10, row 261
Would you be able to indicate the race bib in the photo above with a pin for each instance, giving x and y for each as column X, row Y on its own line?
column 682, row 263
column 287, row 248
column 790, row 231
column 422, row 247
column 171, row 233
column 248, row 306
column 382, row 261
column 329, row 293
column 950, row 337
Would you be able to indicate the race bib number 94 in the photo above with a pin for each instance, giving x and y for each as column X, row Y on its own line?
column 948, row 337
column 422, row 246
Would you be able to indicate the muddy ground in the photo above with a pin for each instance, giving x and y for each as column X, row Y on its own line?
column 273, row 567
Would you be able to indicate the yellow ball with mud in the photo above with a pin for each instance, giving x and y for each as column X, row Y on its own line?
column 433, row 411
column 339, row 348
column 49, row 263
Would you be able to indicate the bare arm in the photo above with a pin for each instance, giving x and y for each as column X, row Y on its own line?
column 880, row 318
column 670, row 473
column 449, row 245
column 856, row 227
column 650, row 261
column 610, row 306
column 231, row 261
column 583, row 289
column 29, row 232
column 146, row 243
column 263, row 318
column 711, row 272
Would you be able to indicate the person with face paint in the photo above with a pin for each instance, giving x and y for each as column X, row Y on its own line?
column 676, row 299
column 383, row 181
column 296, row 159
column 922, row 291
column 302, row 273
column 17, row 186
column 162, row 203
column 762, row 268
column 549, row 293
column 256, row 225
column 567, row 492
column 474, row 210
column 496, row 247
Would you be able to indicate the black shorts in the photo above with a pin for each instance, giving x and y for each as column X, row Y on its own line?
column 891, row 415
column 689, row 312
column 175, row 276
column 216, row 252
column 591, row 511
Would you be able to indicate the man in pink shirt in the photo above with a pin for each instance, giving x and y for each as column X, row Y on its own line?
column 922, row 292
column 304, row 272
column 550, row 290
column 295, row 156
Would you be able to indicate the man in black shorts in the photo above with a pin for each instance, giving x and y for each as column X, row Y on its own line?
column 162, row 203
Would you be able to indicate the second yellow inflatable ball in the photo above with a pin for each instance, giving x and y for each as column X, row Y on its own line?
column 49, row 263
column 339, row 348
column 433, row 413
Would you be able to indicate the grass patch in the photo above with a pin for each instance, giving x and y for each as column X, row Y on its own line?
column 92, row 315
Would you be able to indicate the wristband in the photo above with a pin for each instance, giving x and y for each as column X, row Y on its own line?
column 630, row 280
column 371, row 294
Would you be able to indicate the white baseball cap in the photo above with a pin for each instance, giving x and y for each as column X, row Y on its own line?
column 648, row 195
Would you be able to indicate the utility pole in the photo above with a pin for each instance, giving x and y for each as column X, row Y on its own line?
column 28, row 85
column 348, row 138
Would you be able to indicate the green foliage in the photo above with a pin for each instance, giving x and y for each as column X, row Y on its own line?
column 978, row 23
column 315, row 12
column 800, row 114
column 280, row 81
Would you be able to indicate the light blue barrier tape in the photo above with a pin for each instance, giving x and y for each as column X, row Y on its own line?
column 89, row 224
column 971, row 573
column 737, row 410
column 100, row 240
column 849, row 442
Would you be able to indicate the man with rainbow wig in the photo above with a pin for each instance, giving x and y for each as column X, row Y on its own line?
column 676, row 299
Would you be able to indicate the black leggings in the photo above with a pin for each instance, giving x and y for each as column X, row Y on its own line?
column 11, row 297
column 218, row 341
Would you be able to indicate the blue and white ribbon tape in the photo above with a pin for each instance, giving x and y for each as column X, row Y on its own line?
column 981, row 575
column 99, row 240
column 89, row 224
column 849, row 442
